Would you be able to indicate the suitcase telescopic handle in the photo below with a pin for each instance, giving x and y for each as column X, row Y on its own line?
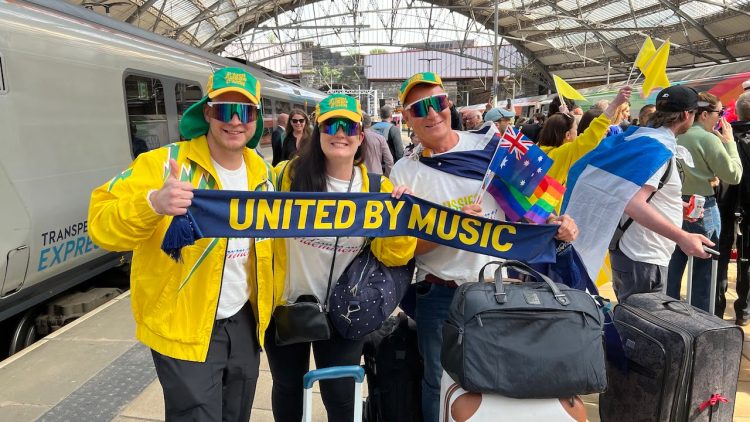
column 501, row 296
column 351, row 371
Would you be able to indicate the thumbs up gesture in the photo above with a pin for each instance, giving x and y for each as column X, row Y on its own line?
column 174, row 197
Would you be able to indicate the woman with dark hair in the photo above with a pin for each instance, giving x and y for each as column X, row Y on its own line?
column 589, row 117
column 297, row 132
column 560, row 140
column 331, row 161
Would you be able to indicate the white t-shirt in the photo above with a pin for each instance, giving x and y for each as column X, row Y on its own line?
column 235, row 291
column 644, row 245
column 453, row 192
column 309, row 258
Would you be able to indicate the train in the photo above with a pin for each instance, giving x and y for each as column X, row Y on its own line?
column 78, row 91
column 724, row 81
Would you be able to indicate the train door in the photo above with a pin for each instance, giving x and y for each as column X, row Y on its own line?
column 15, row 227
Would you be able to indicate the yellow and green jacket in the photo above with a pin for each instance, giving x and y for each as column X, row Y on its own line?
column 391, row 251
column 174, row 304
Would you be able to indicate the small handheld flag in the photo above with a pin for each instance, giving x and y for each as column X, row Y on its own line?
column 655, row 72
column 565, row 90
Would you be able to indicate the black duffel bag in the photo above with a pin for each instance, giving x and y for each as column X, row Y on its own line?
column 527, row 340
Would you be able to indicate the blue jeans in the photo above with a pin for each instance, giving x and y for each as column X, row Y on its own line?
column 433, row 302
column 709, row 226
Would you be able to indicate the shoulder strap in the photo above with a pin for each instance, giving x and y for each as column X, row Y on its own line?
column 620, row 231
column 374, row 180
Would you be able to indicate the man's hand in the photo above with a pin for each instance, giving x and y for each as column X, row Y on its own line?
column 400, row 190
column 568, row 230
column 174, row 197
column 473, row 209
column 692, row 244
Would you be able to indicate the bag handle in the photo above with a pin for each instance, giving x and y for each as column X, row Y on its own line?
column 501, row 296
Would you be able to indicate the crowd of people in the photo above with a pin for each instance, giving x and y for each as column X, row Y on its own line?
column 208, row 317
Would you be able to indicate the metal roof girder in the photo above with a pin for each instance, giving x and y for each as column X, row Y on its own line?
column 722, row 49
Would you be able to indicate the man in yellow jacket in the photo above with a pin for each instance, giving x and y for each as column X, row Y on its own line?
column 203, row 317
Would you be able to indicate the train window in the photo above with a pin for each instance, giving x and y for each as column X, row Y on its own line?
column 282, row 107
column 3, row 87
column 147, row 115
column 267, row 104
column 186, row 94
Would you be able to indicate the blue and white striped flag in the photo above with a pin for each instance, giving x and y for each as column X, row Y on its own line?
column 603, row 181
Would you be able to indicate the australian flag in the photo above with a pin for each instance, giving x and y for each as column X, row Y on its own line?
column 519, row 162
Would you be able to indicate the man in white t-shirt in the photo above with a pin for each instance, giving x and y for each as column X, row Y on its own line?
column 440, row 269
column 640, row 261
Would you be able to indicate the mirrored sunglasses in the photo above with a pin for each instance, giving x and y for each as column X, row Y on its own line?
column 225, row 111
column 421, row 107
column 332, row 126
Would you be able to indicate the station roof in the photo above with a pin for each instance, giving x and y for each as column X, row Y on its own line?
column 575, row 39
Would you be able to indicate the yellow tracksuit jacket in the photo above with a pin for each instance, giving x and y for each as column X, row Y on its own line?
column 174, row 304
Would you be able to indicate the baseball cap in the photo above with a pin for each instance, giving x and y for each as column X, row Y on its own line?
column 228, row 79
column 419, row 78
column 498, row 113
column 678, row 98
column 338, row 105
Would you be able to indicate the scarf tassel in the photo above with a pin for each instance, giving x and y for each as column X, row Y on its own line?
column 181, row 232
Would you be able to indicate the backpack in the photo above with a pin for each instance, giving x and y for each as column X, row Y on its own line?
column 382, row 129
column 394, row 372
column 368, row 291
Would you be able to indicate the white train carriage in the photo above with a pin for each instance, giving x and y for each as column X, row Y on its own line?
column 80, row 96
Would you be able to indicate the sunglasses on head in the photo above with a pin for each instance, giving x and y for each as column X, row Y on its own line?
column 297, row 120
column 225, row 111
column 421, row 107
column 332, row 126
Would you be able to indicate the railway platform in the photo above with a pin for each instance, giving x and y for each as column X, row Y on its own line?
column 94, row 370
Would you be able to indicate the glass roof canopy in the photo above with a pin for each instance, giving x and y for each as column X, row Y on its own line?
column 571, row 38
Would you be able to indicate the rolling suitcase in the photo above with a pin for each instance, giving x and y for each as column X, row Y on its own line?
column 352, row 371
column 459, row 405
column 682, row 363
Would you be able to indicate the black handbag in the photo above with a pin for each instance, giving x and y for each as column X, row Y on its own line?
column 529, row 340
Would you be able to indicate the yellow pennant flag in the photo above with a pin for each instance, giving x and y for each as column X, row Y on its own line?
column 565, row 90
column 644, row 56
column 655, row 72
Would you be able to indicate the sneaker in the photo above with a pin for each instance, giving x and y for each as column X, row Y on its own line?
column 742, row 322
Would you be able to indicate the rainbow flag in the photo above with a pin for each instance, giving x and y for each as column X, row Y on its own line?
column 545, row 198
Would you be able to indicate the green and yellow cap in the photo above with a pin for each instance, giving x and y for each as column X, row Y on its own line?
column 228, row 79
column 420, row 78
column 338, row 105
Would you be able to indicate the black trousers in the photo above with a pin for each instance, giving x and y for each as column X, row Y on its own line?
column 290, row 363
column 223, row 387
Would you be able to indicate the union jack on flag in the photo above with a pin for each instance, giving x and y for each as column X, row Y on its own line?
column 515, row 142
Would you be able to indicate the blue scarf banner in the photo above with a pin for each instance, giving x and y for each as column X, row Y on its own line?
column 221, row 213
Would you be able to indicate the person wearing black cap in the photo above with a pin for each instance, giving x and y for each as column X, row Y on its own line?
column 641, row 257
